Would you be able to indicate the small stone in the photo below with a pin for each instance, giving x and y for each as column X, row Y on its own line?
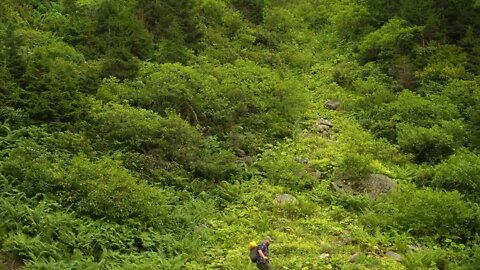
column 301, row 160
column 318, row 175
column 324, row 122
column 348, row 241
column 324, row 256
column 332, row 104
column 355, row 257
column 394, row 256
column 285, row 198
column 414, row 248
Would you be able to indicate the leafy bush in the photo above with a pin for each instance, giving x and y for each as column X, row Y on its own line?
column 281, row 168
column 354, row 166
column 459, row 172
column 425, row 259
column 30, row 168
column 395, row 36
column 426, row 144
column 426, row 213
column 105, row 189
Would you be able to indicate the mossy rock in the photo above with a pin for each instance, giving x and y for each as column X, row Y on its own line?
column 372, row 184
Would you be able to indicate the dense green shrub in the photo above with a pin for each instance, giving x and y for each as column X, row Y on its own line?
column 426, row 213
column 354, row 166
column 30, row 168
column 282, row 168
column 105, row 189
column 394, row 37
column 426, row 144
column 175, row 87
column 459, row 172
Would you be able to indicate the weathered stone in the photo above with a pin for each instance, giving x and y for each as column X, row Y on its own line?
column 301, row 160
column 373, row 184
column 342, row 185
column 285, row 198
column 240, row 153
column 324, row 122
column 318, row 175
column 332, row 104
column 394, row 256
column 323, row 126
column 355, row 258
column 414, row 248
column 324, row 256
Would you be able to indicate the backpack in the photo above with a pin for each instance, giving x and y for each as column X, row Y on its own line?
column 254, row 254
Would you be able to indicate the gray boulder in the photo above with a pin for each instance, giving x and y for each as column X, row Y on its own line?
column 285, row 198
column 372, row 184
column 323, row 126
column 394, row 256
column 355, row 258
column 332, row 104
column 324, row 256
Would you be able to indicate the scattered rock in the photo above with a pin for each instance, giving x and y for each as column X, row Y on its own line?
column 332, row 104
column 285, row 198
column 324, row 122
column 301, row 160
column 342, row 186
column 318, row 175
column 394, row 256
column 240, row 153
column 414, row 248
column 288, row 229
column 323, row 126
column 349, row 241
column 355, row 257
column 372, row 184
column 324, row 256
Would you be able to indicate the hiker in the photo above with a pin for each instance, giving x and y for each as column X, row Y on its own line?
column 263, row 260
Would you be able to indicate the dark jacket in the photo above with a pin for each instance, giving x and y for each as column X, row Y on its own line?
column 264, row 248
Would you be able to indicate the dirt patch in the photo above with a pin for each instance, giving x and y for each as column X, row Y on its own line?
column 9, row 261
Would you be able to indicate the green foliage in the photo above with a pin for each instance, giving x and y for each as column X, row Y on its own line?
column 261, row 100
column 348, row 19
column 354, row 166
column 141, row 134
column 426, row 259
column 395, row 37
column 173, row 86
column 282, row 168
column 426, row 144
column 464, row 94
column 443, row 63
column 169, row 139
column 251, row 9
column 30, row 168
column 104, row 189
column 426, row 212
column 459, row 172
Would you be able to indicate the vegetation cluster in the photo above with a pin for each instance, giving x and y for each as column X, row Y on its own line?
column 139, row 134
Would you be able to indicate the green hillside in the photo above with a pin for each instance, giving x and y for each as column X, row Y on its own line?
column 168, row 134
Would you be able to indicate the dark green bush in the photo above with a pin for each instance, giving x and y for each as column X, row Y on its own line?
column 30, row 168
column 105, row 189
column 426, row 213
column 354, row 166
column 459, row 172
column 426, row 144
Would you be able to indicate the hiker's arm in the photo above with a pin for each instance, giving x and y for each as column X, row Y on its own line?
column 261, row 254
